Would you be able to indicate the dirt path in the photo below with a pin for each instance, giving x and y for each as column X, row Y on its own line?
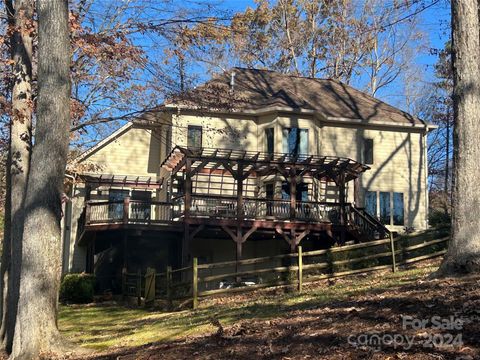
column 382, row 325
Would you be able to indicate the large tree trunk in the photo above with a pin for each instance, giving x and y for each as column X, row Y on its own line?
column 463, row 255
column 36, row 326
column 18, row 163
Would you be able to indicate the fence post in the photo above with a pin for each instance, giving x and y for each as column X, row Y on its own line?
column 392, row 246
column 300, row 269
column 168, row 278
column 139, row 287
column 195, row 283
column 124, row 281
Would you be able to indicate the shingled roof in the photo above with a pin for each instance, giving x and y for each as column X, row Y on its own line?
column 259, row 90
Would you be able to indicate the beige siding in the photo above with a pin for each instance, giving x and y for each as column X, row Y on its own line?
column 398, row 164
column 137, row 151
column 228, row 132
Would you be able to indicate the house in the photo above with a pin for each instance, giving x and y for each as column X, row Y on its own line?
column 252, row 163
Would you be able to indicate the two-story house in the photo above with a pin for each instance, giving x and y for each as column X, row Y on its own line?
column 250, row 164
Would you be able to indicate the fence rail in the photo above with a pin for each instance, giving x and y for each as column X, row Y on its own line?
column 201, row 280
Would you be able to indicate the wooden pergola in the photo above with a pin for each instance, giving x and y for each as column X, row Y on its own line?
column 148, row 182
column 243, row 164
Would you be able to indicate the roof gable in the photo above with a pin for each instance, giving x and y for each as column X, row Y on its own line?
column 254, row 90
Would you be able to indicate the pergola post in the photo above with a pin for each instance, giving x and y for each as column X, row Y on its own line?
column 293, row 194
column 356, row 191
column 239, row 178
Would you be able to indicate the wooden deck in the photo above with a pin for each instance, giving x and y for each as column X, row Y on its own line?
column 221, row 211
column 192, row 208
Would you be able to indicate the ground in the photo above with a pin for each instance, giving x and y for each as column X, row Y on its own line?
column 374, row 316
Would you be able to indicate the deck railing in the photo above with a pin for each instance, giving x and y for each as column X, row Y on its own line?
column 367, row 224
column 223, row 207
column 258, row 209
column 127, row 211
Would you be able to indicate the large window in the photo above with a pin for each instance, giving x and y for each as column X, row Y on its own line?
column 391, row 206
column 371, row 203
column 115, row 210
column 194, row 137
column 368, row 151
column 295, row 141
column 269, row 138
column 385, row 207
column 301, row 191
column 398, row 209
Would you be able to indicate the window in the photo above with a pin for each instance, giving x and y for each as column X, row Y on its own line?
column 115, row 210
column 371, row 203
column 392, row 208
column 301, row 191
column 295, row 141
column 385, row 208
column 398, row 209
column 269, row 137
column 141, row 210
column 368, row 151
column 194, row 138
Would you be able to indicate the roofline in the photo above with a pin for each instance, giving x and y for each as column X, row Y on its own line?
column 329, row 119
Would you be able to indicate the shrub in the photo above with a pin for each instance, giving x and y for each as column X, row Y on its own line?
column 438, row 218
column 77, row 288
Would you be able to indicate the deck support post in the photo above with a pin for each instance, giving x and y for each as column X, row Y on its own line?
column 239, row 238
column 125, row 249
column 293, row 240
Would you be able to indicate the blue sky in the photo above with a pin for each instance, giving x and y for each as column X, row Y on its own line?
column 434, row 23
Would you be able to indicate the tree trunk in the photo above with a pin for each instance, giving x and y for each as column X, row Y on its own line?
column 463, row 255
column 36, row 326
column 18, row 162
column 446, row 187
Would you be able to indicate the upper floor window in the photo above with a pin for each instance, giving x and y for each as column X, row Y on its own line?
column 368, row 151
column 269, row 139
column 194, row 137
column 295, row 141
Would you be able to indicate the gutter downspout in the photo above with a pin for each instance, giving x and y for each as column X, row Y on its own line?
column 425, row 166
column 67, row 228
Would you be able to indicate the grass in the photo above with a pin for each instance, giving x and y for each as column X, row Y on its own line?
column 103, row 327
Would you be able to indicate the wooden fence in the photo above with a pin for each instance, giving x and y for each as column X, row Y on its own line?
column 201, row 280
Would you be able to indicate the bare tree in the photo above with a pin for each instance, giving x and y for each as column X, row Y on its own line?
column 36, row 326
column 463, row 255
column 20, row 16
